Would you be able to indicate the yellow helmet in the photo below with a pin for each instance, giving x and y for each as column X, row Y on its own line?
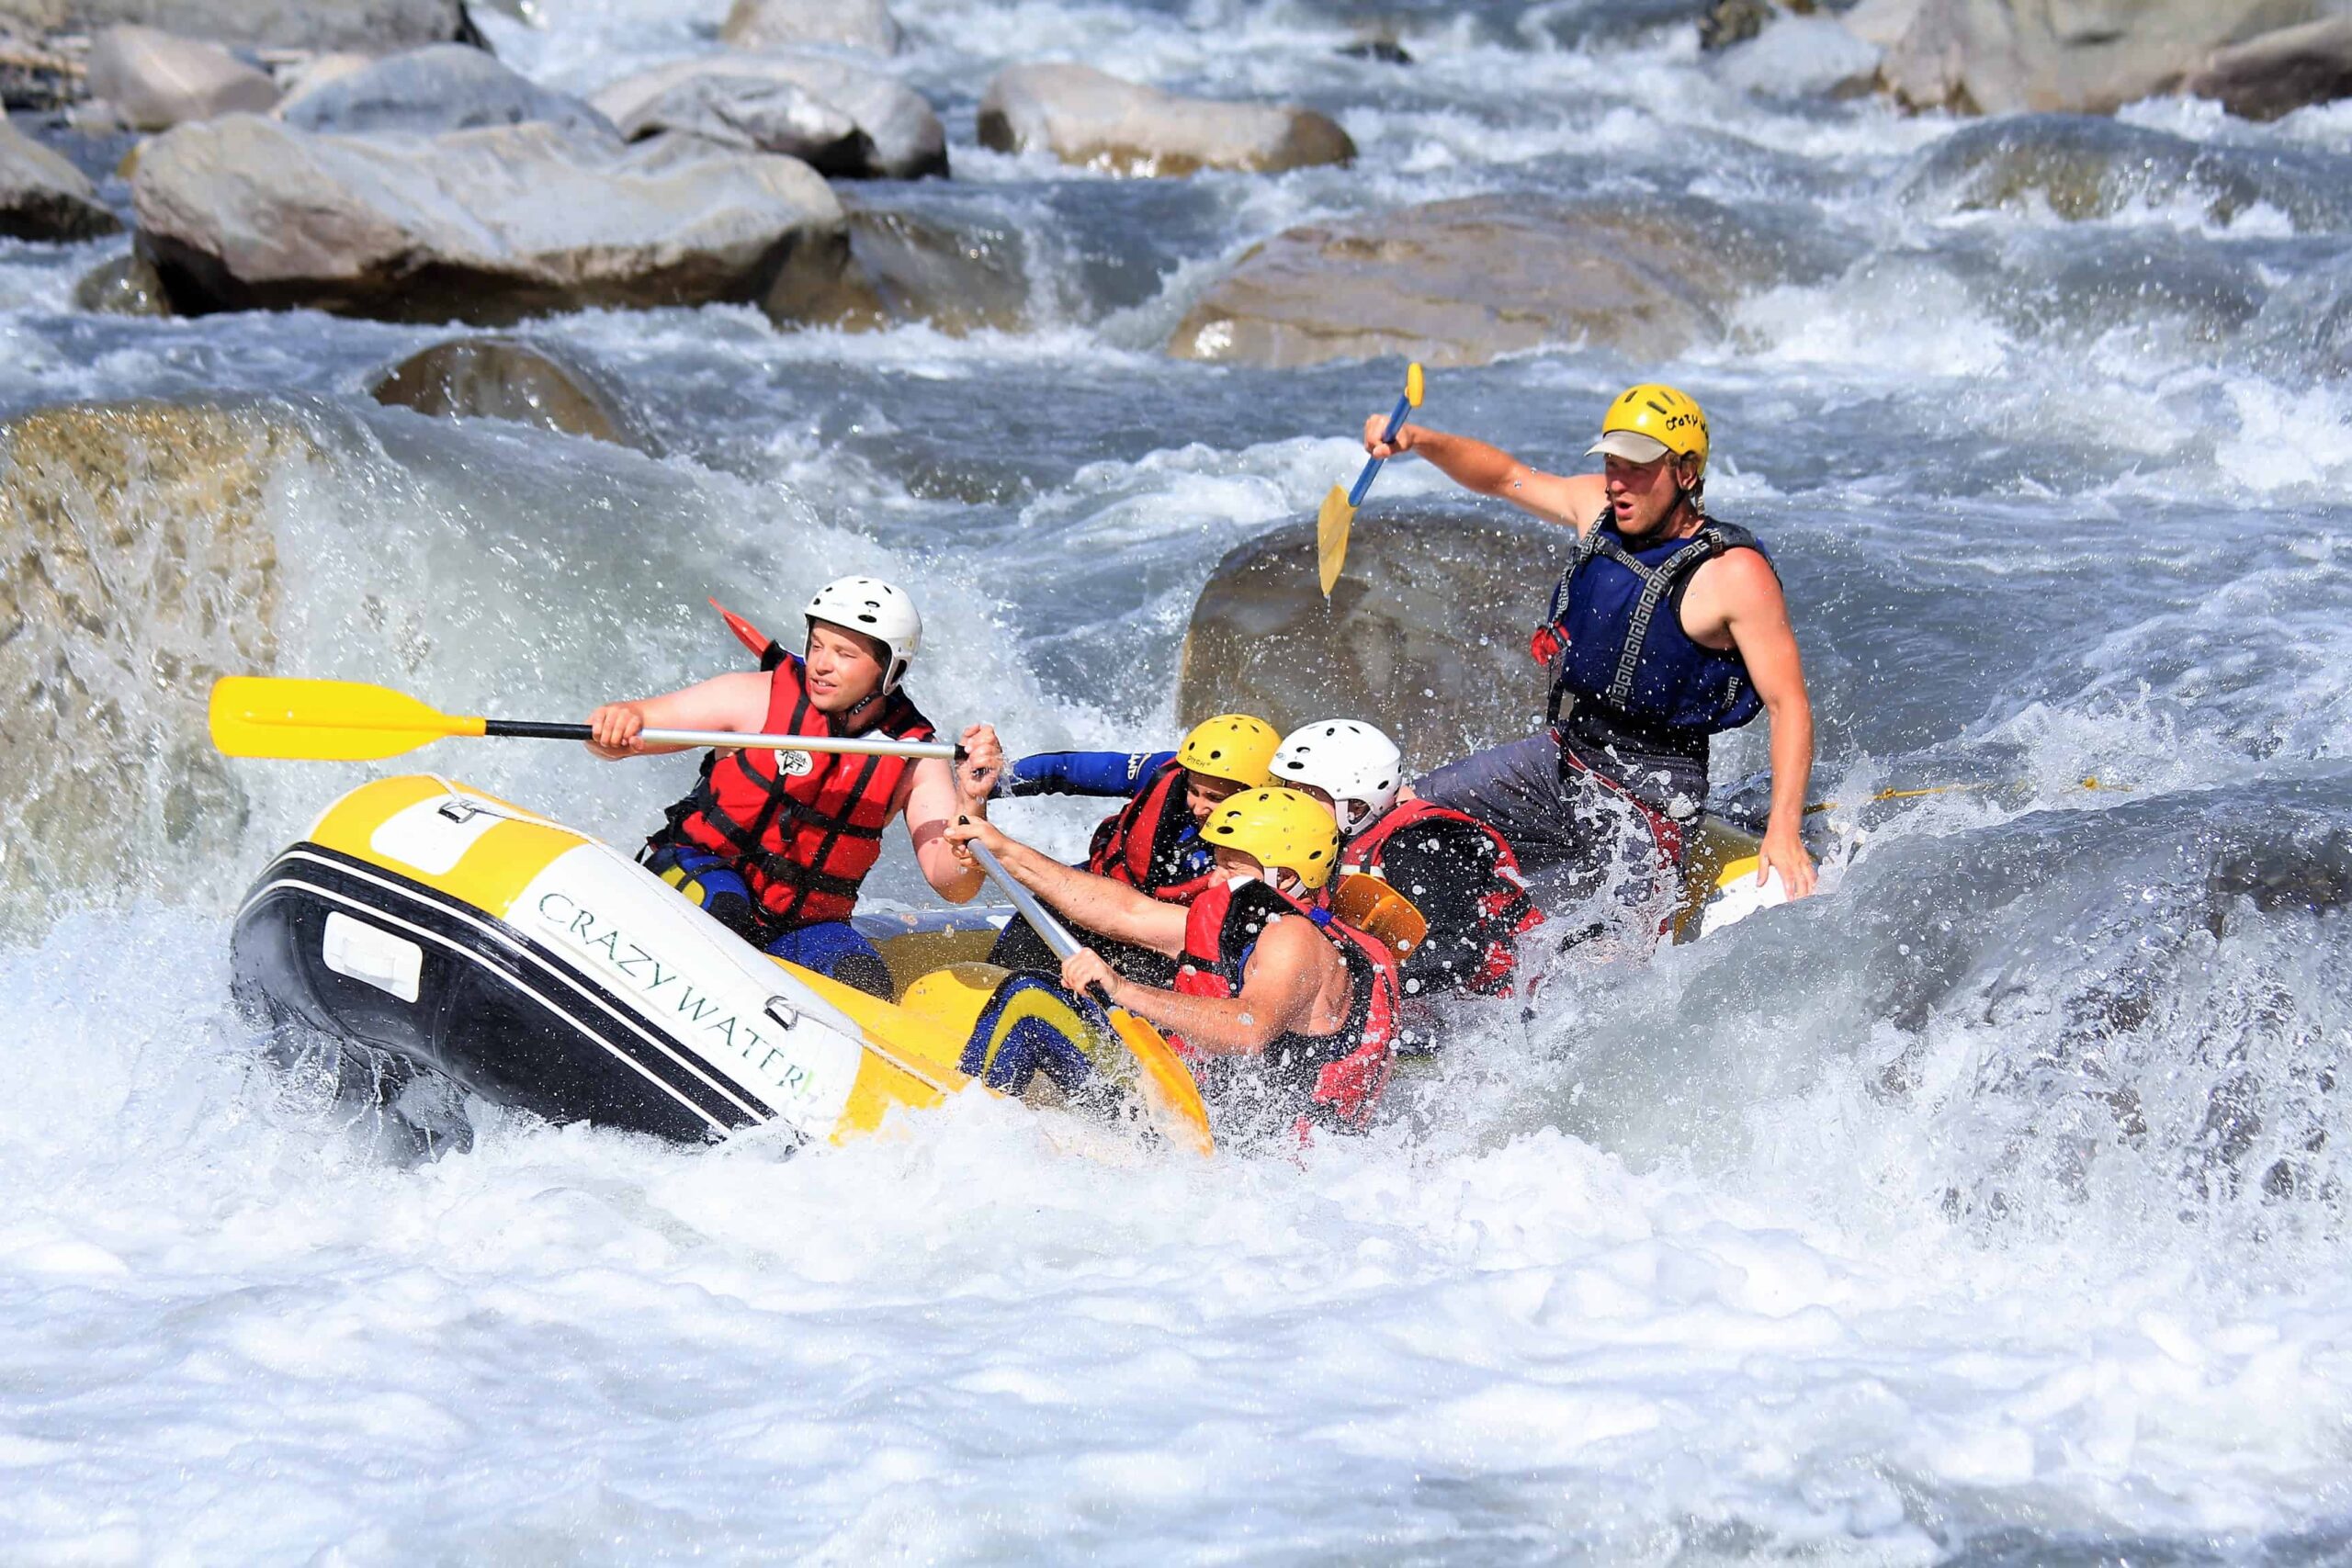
column 1278, row 828
column 1647, row 421
column 1231, row 746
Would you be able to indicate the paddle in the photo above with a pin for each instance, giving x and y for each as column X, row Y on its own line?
column 349, row 721
column 1168, row 1082
column 1339, row 512
column 1886, row 794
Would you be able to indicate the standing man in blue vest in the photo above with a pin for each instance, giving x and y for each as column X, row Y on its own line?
column 1667, row 628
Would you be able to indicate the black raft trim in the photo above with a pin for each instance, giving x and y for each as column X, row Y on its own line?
column 516, row 964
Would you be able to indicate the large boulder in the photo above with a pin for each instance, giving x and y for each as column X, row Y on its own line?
column 139, row 563
column 156, row 80
column 2280, row 72
column 43, row 197
column 481, row 226
column 1090, row 117
column 441, row 87
column 373, row 26
column 1425, row 635
column 787, row 24
column 1460, row 282
column 504, row 378
column 2084, row 56
column 907, row 139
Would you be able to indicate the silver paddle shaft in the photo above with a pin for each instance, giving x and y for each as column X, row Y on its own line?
column 1040, row 918
column 855, row 746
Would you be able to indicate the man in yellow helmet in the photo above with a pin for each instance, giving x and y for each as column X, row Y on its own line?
column 1153, row 842
column 1667, row 628
column 1279, row 1004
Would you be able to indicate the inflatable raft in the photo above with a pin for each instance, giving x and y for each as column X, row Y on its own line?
column 543, row 969
column 536, row 967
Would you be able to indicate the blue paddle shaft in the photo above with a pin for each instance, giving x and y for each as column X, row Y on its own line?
column 1363, row 481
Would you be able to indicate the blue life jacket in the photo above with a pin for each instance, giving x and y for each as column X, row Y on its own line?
column 1613, row 640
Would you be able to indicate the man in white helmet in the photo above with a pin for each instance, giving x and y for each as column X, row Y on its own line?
column 773, row 844
column 1458, row 872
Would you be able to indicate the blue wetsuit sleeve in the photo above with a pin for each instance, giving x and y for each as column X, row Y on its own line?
column 1082, row 772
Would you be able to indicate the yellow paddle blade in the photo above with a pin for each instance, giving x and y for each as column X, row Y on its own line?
column 1332, row 538
column 322, row 721
column 1175, row 1097
column 1414, row 383
column 1382, row 913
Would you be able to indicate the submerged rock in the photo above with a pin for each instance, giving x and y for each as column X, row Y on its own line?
column 2081, row 167
column 42, row 197
column 141, row 565
column 442, row 87
column 2280, row 72
column 907, row 267
column 1090, row 117
column 373, row 26
column 1460, row 282
column 504, row 377
column 1425, row 634
column 785, row 24
column 246, row 213
column 907, row 139
column 127, row 286
column 2011, row 56
column 156, row 80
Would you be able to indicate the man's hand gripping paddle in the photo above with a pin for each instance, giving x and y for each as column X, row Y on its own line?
column 1175, row 1097
column 1339, row 512
column 349, row 721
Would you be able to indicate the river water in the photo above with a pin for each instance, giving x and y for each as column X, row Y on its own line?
column 1988, row 1207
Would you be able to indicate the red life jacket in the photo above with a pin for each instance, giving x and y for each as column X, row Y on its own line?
column 1141, row 843
column 1340, row 1075
column 1505, row 911
column 804, row 841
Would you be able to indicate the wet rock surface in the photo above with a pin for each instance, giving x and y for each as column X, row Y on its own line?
column 374, row 26
column 504, row 378
column 2280, row 72
column 784, row 24
column 1090, row 117
column 126, row 286
column 140, row 564
column 439, row 88
column 906, row 137
column 485, row 226
column 1425, row 634
column 156, row 80
column 1460, row 282
column 43, row 197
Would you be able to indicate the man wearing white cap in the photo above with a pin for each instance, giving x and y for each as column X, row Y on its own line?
column 1667, row 628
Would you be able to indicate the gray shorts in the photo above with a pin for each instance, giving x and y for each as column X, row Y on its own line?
column 1578, row 837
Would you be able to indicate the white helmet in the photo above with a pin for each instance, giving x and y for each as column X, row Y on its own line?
column 872, row 607
column 1355, row 764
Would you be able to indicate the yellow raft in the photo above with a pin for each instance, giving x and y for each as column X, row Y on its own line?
column 541, row 968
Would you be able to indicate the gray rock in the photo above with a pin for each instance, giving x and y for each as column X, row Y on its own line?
column 907, row 267
column 908, row 142
column 442, row 87
column 1462, row 282
column 157, row 80
column 374, row 26
column 787, row 24
column 42, row 197
column 1426, row 634
column 758, row 116
column 1801, row 57
column 2082, row 56
column 483, row 226
column 504, row 378
column 127, row 286
column 1090, row 117
column 2280, row 72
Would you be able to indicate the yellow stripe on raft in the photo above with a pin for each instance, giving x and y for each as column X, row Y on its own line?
column 906, row 1063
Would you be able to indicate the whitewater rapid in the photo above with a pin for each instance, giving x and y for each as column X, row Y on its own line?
column 1988, row 1207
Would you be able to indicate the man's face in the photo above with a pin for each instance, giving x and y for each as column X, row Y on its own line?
column 844, row 668
column 1203, row 793
column 1321, row 796
column 1231, row 862
column 1641, row 495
